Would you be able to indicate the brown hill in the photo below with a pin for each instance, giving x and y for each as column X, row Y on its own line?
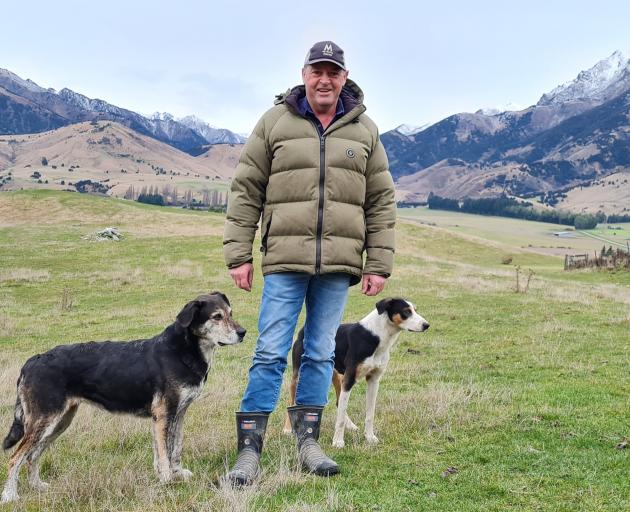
column 610, row 195
column 113, row 155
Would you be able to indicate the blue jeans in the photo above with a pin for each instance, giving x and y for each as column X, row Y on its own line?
column 283, row 295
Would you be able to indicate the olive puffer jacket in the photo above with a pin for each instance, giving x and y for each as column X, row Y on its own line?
column 324, row 200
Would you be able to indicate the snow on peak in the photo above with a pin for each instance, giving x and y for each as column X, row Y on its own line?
column 27, row 84
column 195, row 122
column 409, row 130
column 494, row 111
column 161, row 116
column 591, row 84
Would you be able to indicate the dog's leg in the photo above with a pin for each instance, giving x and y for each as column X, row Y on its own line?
column 159, row 429
column 288, row 429
column 349, row 378
column 175, row 443
column 340, row 423
column 56, row 428
column 337, row 379
column 370, row 407
column 32, row 437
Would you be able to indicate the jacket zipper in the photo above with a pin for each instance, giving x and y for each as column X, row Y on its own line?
column 320, row 206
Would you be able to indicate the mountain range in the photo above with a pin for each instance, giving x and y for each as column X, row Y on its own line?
column 28, row 108
column 575, row 134
column 572, row 145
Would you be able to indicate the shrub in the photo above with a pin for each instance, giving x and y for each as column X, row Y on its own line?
column 585, row 221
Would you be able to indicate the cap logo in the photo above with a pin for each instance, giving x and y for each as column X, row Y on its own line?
column 328, row 51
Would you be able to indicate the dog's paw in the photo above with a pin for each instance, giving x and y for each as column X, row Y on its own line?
column 182, row 474
column 166, row 477
column 350, row 425
column 8, row 497
column 40, row 486
column 338, row 443
column 371, row 439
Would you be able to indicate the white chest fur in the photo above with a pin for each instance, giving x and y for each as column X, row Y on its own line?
column 373, row 365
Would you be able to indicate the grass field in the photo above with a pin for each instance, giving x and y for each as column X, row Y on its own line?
column 532, row 236
column 524, row 396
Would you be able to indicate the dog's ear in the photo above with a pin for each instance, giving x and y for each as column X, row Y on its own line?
column 222, row 295
column 187, row 315
column 382, row 305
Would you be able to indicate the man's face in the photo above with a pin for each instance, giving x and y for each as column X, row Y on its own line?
column 323, row 82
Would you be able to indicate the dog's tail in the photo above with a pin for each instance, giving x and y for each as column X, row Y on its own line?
column 16, row 432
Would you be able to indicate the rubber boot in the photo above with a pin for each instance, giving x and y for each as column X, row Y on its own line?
column 250, row 430
column 305, row 420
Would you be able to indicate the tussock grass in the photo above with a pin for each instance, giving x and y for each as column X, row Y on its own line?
column 524, row 396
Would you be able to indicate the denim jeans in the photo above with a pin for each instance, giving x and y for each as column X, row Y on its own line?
column 283, row 295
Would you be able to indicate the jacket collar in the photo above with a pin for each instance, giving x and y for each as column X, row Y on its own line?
column 351, row 98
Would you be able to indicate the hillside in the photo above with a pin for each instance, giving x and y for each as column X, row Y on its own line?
column 25, row 107
column 113, row 155
column 610, row 194
column 576, row 133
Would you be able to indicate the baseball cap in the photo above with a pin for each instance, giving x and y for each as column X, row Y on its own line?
column 325, row 51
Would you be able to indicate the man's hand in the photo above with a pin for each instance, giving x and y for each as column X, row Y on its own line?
column 243, row 275
column 372, row 284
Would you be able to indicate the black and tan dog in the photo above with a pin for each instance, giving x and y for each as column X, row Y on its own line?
column 156, row 378
column 362, row 351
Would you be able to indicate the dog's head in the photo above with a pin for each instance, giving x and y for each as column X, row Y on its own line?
column 209, row 317
column 402, row 313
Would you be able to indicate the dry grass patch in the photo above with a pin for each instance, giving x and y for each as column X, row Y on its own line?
column 183, row 269
column 176, row 225
column 587, row 294
column 24, row 275
column 18, row 210
column 7, row 326
column 476, row 284
column 9, row 372
column 126, row 276
column 441, row 407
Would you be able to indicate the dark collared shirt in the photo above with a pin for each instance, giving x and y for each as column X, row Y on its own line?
column 306, row 110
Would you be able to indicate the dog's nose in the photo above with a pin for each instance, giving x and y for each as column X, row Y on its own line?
column 241, row 333
column 425, row 326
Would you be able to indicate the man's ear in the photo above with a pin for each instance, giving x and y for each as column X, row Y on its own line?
column 382, row 305
column 187, row 315
column 223, row 296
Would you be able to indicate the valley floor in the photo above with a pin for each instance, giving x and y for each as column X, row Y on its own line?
column 513, row 400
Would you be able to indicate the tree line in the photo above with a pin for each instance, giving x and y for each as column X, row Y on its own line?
column 212, row 199
column 504, row 206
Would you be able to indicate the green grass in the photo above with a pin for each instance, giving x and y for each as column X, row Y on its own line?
column 516, row 232
column 525, row 394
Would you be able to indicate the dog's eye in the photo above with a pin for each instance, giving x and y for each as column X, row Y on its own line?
column 217, row 316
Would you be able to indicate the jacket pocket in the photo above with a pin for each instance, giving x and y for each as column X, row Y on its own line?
column 265, row 235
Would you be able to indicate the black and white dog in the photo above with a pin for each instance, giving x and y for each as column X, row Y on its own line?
column 156, row 378
column 362, row 351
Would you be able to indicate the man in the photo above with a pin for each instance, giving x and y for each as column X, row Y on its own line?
column 315, row 169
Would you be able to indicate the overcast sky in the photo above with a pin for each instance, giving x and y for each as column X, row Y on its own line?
column 223, row 61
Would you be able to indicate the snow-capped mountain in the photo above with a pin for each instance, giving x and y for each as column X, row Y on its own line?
column 212, row 134
column 408, row 129
column 601, row 82
column 25, row 107
column 576, row 133
column 28, row 84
